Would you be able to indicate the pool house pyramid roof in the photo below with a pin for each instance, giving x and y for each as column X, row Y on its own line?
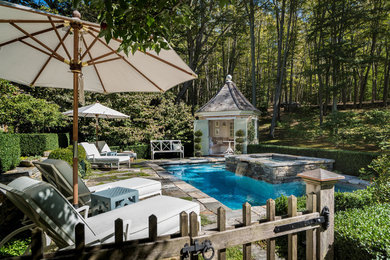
column 228, row 98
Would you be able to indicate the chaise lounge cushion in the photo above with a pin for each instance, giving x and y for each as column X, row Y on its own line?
column 64, row 183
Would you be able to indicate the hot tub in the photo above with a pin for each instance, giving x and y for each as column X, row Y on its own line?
column 273, row 167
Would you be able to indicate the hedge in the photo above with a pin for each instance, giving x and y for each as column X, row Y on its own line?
column 9, row 151
column 349, row 200
column 142, row 150
column 363, row 233
column 348, row 162
column 36, row 144
column 63, row 140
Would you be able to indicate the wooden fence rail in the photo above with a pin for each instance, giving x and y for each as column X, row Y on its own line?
column 318, row 237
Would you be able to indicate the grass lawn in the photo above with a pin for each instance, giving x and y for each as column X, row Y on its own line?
column 360, row 130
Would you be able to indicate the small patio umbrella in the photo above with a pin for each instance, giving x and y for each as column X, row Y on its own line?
column 97, row 111
column 48, row 50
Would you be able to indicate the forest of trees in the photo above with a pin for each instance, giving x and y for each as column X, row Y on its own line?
column 316, row 52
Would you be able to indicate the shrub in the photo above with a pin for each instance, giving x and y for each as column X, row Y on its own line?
column 281, row 205
column 142, row 150
column 350, row 200
column 197, row 143
column 66, row 154
column 239, row 141
column 348, row 162
column 36, row 144
column 380, row 170
column 9, row 151
column 363, row 233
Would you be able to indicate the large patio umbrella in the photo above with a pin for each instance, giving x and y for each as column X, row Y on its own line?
column 97, row 111
column 43, row 49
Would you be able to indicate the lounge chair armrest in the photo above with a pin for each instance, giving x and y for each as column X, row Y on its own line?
column 84, row 208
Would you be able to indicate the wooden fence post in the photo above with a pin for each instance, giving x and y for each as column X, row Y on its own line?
column 36, row 244
column 153, row 228
column 321, row 182
column 311, row 206
column 292, row 238
column 183, row 224
column 194, row 228
column 270, row 217
column 246, row 218
column 221, row 226
column 118, row 230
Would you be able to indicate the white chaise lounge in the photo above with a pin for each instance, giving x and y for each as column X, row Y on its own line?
column 94, row 156
column 50, row 210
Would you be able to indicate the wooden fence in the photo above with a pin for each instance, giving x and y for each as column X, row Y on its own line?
column 316, row 221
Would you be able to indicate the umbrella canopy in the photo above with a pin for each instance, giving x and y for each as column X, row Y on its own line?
column 97, row 110
column 43, row 49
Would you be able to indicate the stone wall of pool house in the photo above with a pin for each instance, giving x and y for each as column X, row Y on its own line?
column 274, row 168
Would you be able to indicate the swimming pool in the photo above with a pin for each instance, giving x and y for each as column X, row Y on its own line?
column 233, row 190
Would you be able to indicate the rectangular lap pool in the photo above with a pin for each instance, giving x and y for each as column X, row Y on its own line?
column 233, row 190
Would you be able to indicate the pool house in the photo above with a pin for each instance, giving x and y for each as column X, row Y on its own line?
column 220, row 119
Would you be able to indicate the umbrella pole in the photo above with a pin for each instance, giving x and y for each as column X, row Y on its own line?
column 75, row 67
column 97, row 131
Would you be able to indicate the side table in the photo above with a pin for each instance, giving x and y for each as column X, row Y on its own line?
column 106, row 200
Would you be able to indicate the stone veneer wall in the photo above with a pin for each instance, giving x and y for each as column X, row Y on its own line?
column 258, row 167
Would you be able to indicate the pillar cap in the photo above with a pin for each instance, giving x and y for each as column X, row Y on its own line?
column 321, row 175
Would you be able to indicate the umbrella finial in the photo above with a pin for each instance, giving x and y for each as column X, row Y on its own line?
column 76, row 14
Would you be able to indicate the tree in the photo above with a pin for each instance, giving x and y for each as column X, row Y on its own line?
column 26, row 114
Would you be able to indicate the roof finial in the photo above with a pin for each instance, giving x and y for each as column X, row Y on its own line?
column 229, row 78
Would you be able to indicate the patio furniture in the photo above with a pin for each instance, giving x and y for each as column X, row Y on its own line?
column 107, row 200
column 94, row 157
column 166, row 146
column 105, row 150
column 59, row 174
column 49, row 210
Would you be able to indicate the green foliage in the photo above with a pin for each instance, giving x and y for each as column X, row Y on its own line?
column 240, row 133
column 198, row 147
column 348, row 162
column 36, row 144
column 281, row 205
column 140, row 24
column 26, row 114
column 251, row 132
column 239, row 141
column 15, row 247
column 379, row 170
column 142, row 150
column 338, row 125
column 198, row 133
column 363, row 233
column 9, row 151
column 152, row 117
column 66, row 154
column 197, row 142
column 63, row 140
column 356, row 199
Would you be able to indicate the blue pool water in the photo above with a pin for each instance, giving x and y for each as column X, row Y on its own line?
column 233, row 190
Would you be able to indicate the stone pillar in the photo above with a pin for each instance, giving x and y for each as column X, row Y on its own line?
column 321, row 182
